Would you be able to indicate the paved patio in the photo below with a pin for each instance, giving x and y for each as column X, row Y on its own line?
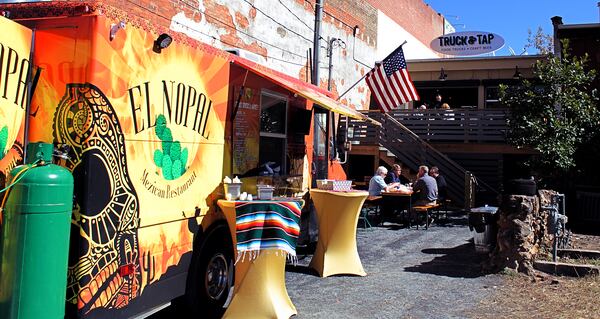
column 412, row 273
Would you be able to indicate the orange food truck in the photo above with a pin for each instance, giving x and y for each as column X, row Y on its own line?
column 151, row 129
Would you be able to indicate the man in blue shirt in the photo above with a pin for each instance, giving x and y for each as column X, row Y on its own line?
column 377, row 183
column 395, row 176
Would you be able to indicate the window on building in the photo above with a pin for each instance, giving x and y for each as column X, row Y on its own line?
column 273, row 132
column 456, row 97
column 492, row 97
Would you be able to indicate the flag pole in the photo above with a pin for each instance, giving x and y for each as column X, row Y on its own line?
column 364, row 76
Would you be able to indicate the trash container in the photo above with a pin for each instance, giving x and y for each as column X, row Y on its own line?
column 482, row 223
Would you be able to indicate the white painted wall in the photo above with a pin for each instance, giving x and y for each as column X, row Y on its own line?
column 413, row 49
column 349, row 64
column 264, row 28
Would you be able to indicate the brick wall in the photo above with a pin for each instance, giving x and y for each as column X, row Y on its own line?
column 281, row 33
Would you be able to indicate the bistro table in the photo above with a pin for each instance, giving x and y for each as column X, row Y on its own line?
column 337, row 215
column 259, row 289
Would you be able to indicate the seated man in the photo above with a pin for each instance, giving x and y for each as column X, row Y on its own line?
column 377, row 183
column 425, row 190
column 441, row 183
column 395, row 176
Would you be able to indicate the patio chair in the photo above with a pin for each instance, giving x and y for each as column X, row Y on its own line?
column 370, row 206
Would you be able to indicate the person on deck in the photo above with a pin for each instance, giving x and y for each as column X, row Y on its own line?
column 438, row 101
column 425, row 190
column 395, row 176
column 377, row 183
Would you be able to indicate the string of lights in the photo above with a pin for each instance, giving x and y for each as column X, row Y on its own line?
column 249, row 35
column 331, row 15
column 282, row 25
column 297, row 17
column 233, row 27
column 222, row 41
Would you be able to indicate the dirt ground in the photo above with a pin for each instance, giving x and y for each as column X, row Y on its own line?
column 581, row 241
column 545, row 296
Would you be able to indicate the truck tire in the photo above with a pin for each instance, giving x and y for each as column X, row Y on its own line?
column 211, row 274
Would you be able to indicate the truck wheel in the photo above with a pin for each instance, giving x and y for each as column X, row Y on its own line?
column 211, row 275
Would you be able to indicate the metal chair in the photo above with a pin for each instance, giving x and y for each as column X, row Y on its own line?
column 371, row 205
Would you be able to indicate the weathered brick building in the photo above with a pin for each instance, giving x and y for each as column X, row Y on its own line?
column 280, row 33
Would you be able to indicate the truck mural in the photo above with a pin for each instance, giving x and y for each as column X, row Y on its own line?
column 148, row 135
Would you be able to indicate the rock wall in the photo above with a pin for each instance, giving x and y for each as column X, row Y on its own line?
column 522, row 232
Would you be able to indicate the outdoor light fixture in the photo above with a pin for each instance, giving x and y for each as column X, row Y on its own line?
column 443, row 75
column 114, row 28
column 162, row 42
column 355, row 30
column 517, row 74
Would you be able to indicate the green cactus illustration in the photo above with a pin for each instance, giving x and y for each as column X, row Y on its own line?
column 3, row 140
column 161, row 124
column 176, row 169
column 167, row 140
column 172, row 158
column 167, row 167
column 175, row 151
column 158, row 156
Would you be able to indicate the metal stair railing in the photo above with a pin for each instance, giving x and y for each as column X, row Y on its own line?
column 413, row 151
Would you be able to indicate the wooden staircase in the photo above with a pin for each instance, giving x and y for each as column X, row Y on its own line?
column 414, row 151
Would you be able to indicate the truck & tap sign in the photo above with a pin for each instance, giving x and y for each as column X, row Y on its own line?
column 467, row 43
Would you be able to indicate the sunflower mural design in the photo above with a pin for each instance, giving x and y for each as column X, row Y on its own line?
column 106, row 214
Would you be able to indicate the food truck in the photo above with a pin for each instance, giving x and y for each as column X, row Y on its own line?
column 149, row 122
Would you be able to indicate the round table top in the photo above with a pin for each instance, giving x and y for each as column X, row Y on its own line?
column 350, row 193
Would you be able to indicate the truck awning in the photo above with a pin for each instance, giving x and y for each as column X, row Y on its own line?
column 309, row 91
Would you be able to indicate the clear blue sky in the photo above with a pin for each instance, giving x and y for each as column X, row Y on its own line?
column 512, row 18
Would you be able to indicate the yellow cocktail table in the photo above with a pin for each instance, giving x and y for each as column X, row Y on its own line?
column 337, row 214
column 259, row 289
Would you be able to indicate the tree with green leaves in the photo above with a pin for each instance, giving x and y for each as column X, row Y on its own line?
column 554, row 113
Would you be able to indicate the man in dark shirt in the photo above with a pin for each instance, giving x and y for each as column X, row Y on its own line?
column 438, row 101
column 425, row 190
column 441, row 183
column 395, row 176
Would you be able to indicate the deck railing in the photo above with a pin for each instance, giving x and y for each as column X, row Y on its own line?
column 408, row 134
column 460, row 125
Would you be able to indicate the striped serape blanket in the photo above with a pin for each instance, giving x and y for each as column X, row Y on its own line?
column 267, row 225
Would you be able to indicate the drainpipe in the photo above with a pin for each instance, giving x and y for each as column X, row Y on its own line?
column 556, row 22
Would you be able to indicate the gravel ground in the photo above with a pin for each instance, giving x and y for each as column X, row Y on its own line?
column 411, row 273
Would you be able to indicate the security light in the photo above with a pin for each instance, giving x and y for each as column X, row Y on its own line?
column 517, row 74
column 443, row 75
column 114, row 28
column 162, row 42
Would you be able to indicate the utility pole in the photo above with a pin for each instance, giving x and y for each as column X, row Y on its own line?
column 318, row 18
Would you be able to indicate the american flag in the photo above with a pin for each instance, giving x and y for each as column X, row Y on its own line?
column 390, row 83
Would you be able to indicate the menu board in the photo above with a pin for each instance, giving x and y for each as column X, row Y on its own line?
column 246, row 131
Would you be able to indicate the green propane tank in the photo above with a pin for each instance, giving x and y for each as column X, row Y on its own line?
column 34, row 238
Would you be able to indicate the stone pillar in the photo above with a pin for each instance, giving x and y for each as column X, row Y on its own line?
column 522, row 232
